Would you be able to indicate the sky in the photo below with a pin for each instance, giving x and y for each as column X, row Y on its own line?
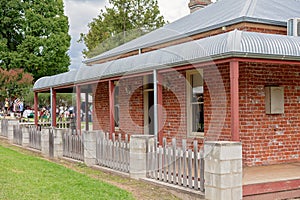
column 82, row 12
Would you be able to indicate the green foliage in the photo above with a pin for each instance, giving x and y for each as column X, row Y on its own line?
column 14, row 83
column 123, row 21
column 34, row 37
column 28, row 177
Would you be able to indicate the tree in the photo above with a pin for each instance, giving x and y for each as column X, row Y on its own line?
column 14, row 83
column 123, row 21
column 34, row 37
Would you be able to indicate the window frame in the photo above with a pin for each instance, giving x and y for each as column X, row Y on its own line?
column 190, row 103
column 116, row 105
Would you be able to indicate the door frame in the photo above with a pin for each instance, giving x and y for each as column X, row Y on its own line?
column 146, row 91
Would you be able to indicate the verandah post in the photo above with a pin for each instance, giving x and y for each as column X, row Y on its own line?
column 36, row 114
column 158, row 101
column 234, row 92
column 111, row 87
column 78, row 101
column 53, row 107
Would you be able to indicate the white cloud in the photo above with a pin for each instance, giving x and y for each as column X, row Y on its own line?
column 80, row 13
column 173, row 10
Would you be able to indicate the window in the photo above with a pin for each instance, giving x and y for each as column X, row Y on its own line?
column 195, row 103
column 116, row 105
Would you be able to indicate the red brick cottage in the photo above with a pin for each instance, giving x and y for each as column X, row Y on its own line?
column 226, row 72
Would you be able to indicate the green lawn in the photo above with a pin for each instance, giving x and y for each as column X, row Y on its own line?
column 27, row 177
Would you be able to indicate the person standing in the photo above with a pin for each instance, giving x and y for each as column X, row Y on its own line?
column 6, row 106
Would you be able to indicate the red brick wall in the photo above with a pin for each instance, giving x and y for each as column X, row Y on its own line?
column 217, row 102
column 174, row 106
column 216, row 105
column 269, row 139
column 101, row 107
column 261, row 28
column 131, row 106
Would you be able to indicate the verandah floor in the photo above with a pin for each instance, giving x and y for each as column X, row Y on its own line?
column 272, row 182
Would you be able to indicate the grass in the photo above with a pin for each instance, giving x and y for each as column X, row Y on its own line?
column 24, row 176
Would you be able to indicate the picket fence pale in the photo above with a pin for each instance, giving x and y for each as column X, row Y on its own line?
column 178, row 166
column 73, row 146
column 35, row 138
column 17, row 134
column 4, row 128
column 113, row 153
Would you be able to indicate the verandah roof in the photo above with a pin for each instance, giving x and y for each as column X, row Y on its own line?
column 231, row 44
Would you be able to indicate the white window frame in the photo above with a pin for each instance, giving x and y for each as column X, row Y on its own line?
column 116, row 104
column 189, row 103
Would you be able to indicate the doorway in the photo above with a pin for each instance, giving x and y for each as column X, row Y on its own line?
column 148, row 105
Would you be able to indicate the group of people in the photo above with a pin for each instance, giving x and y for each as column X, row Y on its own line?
column 15, row 106
column 62, row 112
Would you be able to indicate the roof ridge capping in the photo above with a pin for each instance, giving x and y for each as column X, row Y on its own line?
column 234, row 40
column 249, row 8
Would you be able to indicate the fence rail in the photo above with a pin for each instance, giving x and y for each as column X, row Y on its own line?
column 4, row 128
column 178, row 166
column 73, row 146
column 35, row 138
column 113, row 153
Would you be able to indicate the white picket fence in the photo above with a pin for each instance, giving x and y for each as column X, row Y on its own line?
column 73, row 146
column 178, row 166
column 113, row 153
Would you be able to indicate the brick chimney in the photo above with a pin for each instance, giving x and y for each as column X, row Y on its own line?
column 198, row 4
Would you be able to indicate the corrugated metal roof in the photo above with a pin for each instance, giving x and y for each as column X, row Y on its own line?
column 234, row 43
column 56, row 80
column 216, row 15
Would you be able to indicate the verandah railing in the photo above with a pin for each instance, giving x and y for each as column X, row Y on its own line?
column 65, row 124
column 113, row 153
column 178, row 166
